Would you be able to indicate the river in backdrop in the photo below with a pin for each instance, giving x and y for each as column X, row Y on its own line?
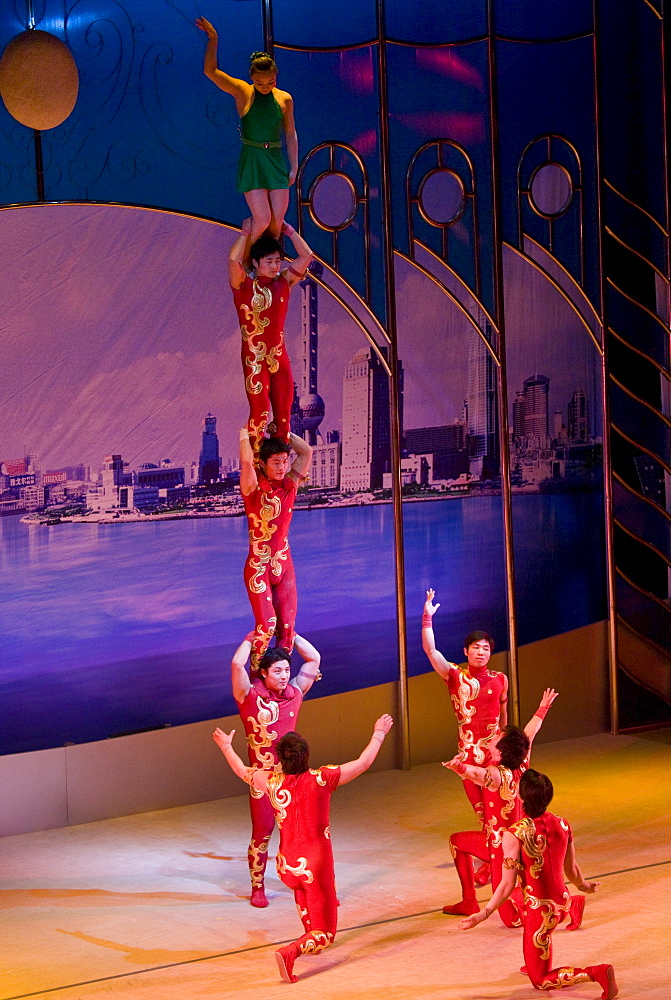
column 106, row 629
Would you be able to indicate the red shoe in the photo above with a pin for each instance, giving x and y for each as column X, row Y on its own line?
column 483, row 874
column 524, row 970
column 575, row 912
column 604, row 975
column 258, row 897
column 463, row 909
column 285, row 958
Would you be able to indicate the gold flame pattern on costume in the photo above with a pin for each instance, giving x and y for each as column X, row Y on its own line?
column 468, row 689
column 327, row 832
column 261, row 640
column 300, row 869
column 566, row 977
column 507, row 790
column 533, row 843
column 256, row 430
column 550, row 911
column 280, row 557
column 279, row 800
column 261, row 529
column 268, row 712
column 317, row 943
column 256, row 856
column 252, row 330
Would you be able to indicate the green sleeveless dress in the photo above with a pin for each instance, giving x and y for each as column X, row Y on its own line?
column 262, row 166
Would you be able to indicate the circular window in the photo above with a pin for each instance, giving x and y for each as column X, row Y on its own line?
column 39, row 81
column 333, row 200
column 551, row 189
column 442, row 198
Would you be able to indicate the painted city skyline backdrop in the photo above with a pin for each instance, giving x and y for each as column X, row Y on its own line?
column 120, row 337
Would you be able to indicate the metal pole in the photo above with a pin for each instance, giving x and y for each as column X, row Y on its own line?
column 403, row 721
column 502, row 387
column 605, row 405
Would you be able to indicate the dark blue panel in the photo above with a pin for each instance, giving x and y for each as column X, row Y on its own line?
column 428, row 21
column 641, row 518
column 448, row 100
column 636, row 326
column 548, row 89
column 632, row 104
column 148, row 127
column 324, row 24
column 350, row 116
column 639, row 423
column 542, row 18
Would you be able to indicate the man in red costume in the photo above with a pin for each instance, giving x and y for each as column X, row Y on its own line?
column 301, row 799
column 510, row 753
column 262, row 300
column 269, row 705
column 479, row 698
column 269, row 496
column 539, row 847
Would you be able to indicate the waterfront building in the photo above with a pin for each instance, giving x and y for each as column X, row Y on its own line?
column 483, row 448
column 536, row 418
column 325, row 463
column 366, row 421
column 578, row 418
column 310, row 403
column 208, row 461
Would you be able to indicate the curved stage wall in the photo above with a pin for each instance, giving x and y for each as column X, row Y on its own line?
column 454, row 185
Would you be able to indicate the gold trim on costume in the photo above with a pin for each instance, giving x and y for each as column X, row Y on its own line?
column 300, row 870
column 279, row 800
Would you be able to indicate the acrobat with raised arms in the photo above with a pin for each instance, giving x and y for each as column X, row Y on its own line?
column 262, row 300
column 269, row 705
column 539, row 848
column 265, row 114
column 301, row 799
column 269, row 494
column 479, row 697
column 509, row 753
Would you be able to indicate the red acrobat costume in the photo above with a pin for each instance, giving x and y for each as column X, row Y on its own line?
column 547, row 903
column 262, row 305
column 266, row 718
column 269, row 573
column 476, row 696
column 502, row 807
column 305, row 859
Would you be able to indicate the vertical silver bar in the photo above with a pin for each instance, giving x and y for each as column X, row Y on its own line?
column 502, row 388
column 605, row 403
column 403, row 721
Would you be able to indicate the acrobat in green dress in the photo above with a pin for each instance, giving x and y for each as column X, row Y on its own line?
column 261, row 162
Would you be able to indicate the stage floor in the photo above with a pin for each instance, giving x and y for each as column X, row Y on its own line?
column 155, row 905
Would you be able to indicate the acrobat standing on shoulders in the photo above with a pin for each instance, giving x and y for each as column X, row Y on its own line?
column 269, row 704
column 269, row 495
column 539, row 848
column 261, row 300
column 265, row 114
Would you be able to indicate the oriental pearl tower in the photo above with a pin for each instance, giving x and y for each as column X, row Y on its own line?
column 311, row 403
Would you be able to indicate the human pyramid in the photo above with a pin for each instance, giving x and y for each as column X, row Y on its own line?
column 525, row 850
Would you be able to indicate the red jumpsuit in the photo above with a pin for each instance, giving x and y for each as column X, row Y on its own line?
column 262, row 308
column 543, row 842
column 266, row 718
column 305, row 858
column 502, row 807
column 476, row 698
column 269, row 571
